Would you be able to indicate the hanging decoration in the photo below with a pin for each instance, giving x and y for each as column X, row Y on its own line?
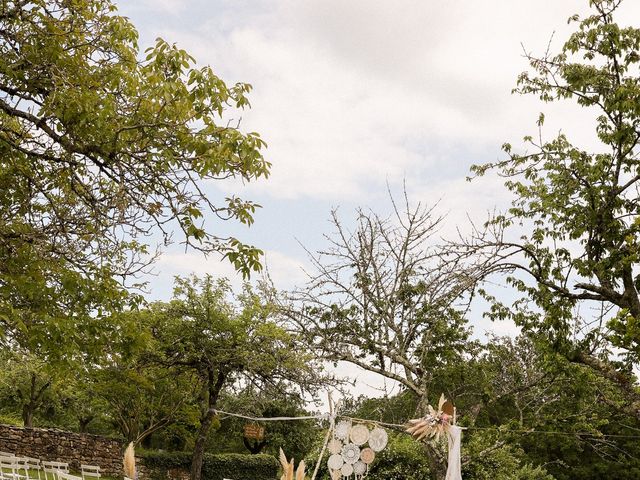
column 253, row 438
column 378, row 439
column 335, row 461
column 342, row 430
column 436, row 423
column 350, row 455
column 367, row 455
column 334, row 446
column 254, row 431
column 432, row 425
column 359, row 434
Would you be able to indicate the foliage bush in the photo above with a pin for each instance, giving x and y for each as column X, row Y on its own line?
column 491, row 461
column 403, row 459
column 215, row 467
column 10, row 418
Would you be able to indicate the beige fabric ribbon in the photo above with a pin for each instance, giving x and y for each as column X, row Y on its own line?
column 454, row 436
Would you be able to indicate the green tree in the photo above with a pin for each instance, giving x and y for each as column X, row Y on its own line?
column 78, row 408
column 224, row 341
column 533, row 389
column 100, row 148
column 141, row 397
column 26, row 383
column 382, row 298
column 541, row 416
column 578, row 265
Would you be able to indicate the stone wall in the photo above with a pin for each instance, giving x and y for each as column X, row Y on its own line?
column 58, row 445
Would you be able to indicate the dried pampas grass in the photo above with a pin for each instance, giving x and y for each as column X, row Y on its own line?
column 288, row 469
column 129, row 462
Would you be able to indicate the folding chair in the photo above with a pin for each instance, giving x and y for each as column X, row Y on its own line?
column 22, row 464
column 67, row 476
column 55, row 469
column 33, row 464
column 91, row 472
column 10, row 468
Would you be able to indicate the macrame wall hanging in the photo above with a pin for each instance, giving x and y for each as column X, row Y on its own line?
column 437, row 423
column 353, row 448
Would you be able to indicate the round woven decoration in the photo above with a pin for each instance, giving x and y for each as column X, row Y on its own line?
column 350, row 453
column 359, row 468
column 346, row 470
column 359, row 434
column 342, row 430
column 335, row 462
column 336, row 474
column 367, row 455
column 378, row 439
column 334, row 446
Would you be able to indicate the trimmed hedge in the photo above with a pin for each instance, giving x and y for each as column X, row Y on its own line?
column 214, row 467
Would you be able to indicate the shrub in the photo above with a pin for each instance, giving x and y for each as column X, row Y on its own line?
column 11, row 419
column 215, row 466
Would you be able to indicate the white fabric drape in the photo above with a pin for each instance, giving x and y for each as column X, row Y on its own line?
column 454, row 470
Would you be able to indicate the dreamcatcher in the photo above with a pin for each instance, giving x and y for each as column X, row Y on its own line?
column 353, row 448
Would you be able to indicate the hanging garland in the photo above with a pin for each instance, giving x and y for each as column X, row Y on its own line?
column 351, row 431
column 350, row 455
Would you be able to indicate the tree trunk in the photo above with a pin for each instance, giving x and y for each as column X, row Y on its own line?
column 35, row 395
column 255, row 447
column 83, row 423
column 437, row 464
column 27, row 415
column 215, row 383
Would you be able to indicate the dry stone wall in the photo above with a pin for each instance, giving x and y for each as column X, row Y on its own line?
column 70, row 447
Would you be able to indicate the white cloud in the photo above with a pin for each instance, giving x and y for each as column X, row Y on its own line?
column 165, row 6
column 351, row 94
column 173, row 263
column 285, row 271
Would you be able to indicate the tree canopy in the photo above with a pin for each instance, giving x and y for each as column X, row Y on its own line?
column 577, row 267
column 104, row 149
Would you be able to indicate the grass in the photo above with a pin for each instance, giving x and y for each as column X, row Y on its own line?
column 33, row 474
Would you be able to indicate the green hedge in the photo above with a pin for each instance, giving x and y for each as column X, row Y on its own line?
column 215, row 467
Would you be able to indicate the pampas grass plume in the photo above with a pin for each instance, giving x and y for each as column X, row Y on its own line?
column 130, row 462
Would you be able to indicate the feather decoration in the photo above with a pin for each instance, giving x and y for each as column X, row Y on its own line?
column 434, row 424
column 129, row 462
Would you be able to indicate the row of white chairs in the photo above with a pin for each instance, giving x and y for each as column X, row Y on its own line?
column 14, row 467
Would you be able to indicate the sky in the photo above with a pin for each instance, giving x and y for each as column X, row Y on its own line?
column 355, row 95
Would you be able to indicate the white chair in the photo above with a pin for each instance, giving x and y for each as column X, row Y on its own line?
column 33, row 464
column 55, row 469
column 10, row 469
column 67, row 476
column 23, row 464
column 90, row 472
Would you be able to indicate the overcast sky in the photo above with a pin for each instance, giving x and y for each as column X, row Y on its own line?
column 353, row 94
